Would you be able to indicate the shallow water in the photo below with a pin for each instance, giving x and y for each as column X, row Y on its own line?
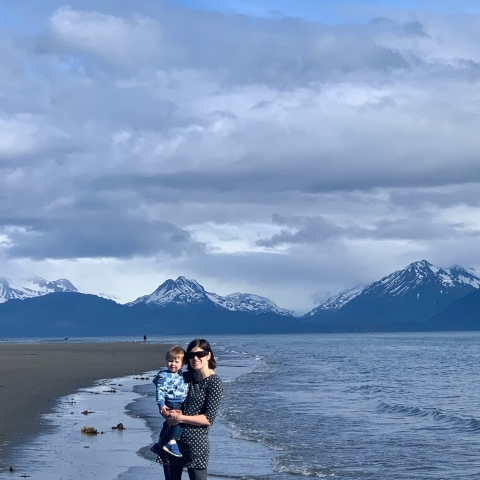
column 397, row 406
column 356, row 406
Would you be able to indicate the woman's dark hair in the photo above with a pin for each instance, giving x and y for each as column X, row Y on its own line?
column 204, row 345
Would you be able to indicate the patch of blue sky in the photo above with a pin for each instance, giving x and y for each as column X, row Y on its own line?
column 72, row 65
column 7, row 19
column 339, row 11
column 13, row 18
column 69, row 63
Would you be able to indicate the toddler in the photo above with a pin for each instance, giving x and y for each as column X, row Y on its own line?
column 171, row 392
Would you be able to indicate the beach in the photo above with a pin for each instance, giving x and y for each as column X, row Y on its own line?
column 33, row 376
column 56, row 448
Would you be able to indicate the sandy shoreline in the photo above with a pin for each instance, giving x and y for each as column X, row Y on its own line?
column 33, row 376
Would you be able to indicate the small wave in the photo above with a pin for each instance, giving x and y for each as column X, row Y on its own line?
column 465, row 423
column 365, row 388
column 239, row 477
column 243, row 431
column 283, row 465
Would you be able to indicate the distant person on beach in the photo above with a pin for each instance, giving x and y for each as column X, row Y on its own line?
column 199, row 411
column 144, row 339
column 171, row 392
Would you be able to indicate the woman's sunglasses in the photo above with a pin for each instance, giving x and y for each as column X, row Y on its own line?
column 198, row 354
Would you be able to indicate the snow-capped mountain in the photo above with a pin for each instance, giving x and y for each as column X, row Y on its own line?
column 184, row 292
column 419, row 274
column 412, row 294
column 36, row 288
column 335, row 302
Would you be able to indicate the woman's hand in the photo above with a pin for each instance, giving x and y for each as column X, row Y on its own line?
column 173, row 417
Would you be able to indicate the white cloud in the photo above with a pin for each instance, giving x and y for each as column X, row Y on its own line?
column 115, row 39
column 24, row 134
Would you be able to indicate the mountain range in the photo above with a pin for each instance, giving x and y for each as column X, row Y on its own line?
column 176, row 306
column 420, row 297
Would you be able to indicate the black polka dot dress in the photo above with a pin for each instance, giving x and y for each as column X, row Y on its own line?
column 203, row 398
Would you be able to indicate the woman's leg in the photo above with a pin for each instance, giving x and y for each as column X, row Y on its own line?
column 197, row 474
column 173, row 473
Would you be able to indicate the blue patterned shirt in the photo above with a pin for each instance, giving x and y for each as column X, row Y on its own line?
column 170, row 386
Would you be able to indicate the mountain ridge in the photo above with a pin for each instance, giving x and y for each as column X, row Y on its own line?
column 189, row 293
column 38, row 286
column 412, row 294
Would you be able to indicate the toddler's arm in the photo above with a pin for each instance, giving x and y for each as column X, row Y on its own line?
column 161, row 390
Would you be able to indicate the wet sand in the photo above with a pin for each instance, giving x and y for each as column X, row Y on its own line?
column 33, row 376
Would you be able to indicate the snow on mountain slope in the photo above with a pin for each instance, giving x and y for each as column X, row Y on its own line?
column 186, row 292
column 36, row 287
column 335, row 302
column 54, row 286
column 247, row 302
column 10, row 291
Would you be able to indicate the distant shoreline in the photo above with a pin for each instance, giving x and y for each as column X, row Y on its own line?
column 33, row 376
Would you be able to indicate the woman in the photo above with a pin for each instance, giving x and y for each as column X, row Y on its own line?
column 199, row 411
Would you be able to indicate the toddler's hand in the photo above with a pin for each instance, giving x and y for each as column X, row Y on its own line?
column 164, row 410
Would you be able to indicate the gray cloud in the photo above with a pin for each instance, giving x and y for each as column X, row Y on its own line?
column 313, row 230
column 444, row 197
column 96, row 234
column 413, row 28
column 421, row 227
column 317, row 230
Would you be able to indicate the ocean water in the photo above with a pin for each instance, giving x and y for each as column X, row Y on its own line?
column 346, row 406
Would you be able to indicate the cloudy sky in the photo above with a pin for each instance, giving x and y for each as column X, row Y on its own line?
column 281, row 148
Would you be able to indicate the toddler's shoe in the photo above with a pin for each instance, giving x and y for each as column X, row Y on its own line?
column 155, row 449
column 172, row 449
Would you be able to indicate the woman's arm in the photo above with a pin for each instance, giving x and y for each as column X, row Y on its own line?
column 176, row 418
column 211, row 404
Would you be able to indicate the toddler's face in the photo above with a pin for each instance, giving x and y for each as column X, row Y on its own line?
column 174, row 364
